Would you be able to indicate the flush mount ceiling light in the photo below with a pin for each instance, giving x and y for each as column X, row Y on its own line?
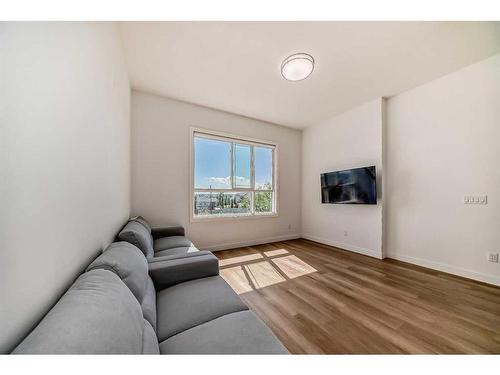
column 297, row 67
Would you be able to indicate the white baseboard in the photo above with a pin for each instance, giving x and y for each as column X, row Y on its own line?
column 485, row 278
column 260, row 241
column 344, row 246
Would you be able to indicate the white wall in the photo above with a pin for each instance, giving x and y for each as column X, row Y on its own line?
column 352, row 139
column 443, row 143
column 160, row 171
column 65, row 161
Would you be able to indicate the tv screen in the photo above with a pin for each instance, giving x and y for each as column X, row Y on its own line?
column 351, row 186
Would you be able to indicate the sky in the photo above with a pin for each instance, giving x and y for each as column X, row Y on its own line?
column 213, row 164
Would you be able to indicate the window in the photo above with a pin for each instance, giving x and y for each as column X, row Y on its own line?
column 232, row 177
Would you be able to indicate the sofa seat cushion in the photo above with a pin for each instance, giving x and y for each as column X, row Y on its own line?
column 194, row 302
column 97, row 315
column 176, row 251
column 166, row 243
column 137, row 234
column 237, row 333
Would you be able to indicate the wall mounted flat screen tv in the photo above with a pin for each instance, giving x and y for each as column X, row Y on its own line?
column 351, row 186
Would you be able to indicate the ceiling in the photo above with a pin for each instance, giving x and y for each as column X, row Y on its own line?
column 235, row 66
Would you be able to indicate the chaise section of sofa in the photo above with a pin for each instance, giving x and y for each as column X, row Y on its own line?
column 156, row 242
column 173, row 269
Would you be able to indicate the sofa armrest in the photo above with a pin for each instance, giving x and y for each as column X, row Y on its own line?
column 170, row 270
column 167, row 232
column 179, row 256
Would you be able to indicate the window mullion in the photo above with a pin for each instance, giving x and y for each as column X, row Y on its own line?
column 232, row 165
column 273, row 182
column 273, row 161
column 252, row 179
column 252, row 202
column 252, row 168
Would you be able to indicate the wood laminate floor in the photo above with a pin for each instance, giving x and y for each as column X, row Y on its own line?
column 320, row 299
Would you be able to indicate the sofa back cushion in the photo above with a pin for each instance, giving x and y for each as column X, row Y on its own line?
column 138, row 235
column 127, row 261
column 97, row 315
column 143, row 221
column 148, row 304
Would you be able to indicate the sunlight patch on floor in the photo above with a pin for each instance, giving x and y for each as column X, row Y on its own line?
column 263, row 274
column 292, row 266
column 239, row 259
column 272, row 253
column 236, row 278
column 245, row 273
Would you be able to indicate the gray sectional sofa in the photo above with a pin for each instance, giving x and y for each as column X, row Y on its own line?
column 151, row 293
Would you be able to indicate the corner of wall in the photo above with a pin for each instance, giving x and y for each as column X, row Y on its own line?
column 384, row 176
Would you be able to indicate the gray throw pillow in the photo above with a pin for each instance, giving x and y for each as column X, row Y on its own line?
column 128, row 263
column 143, row 221
column 137, row 234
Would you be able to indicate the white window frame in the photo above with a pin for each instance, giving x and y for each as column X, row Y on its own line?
column 211, row 134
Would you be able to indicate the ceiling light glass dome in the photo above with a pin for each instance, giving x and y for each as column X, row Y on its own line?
column 297, row 67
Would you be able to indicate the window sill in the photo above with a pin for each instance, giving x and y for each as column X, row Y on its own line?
column 204, row 219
